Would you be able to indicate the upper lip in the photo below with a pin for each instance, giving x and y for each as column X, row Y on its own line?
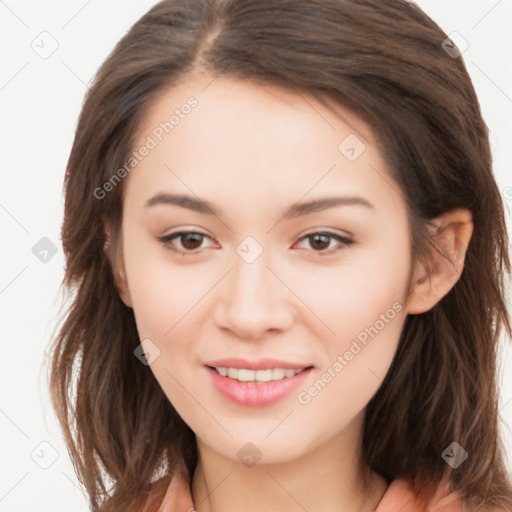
column 261, row 364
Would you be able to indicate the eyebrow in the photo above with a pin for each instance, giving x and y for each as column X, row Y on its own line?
column 296, row 210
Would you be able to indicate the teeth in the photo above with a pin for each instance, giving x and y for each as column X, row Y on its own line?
column 278, row 373
column 244, row 375
column 222, row 371
column 263, row 375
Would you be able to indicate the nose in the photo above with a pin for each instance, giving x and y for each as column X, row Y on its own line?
column 253, row 300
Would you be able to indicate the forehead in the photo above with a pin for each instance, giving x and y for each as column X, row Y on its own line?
column 246, row 142
column 224, row 103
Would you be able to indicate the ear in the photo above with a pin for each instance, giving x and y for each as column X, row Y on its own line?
column 451, row 233
column 114, row 249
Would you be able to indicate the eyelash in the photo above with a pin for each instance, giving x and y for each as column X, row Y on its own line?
column 168, row 238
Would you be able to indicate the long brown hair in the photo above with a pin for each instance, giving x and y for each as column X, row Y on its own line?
column 385, row 60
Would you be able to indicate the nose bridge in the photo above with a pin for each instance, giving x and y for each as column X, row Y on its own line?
column 249, row 283
column 252, row 297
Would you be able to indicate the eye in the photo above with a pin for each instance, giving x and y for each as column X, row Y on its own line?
column 322, row 240
column 190, row 241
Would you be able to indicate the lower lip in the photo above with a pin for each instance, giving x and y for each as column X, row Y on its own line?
column 253, row 394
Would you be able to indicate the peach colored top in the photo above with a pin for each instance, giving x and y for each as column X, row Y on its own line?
column 399, row 496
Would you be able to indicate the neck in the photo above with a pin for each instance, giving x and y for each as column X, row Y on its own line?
column 327, row 478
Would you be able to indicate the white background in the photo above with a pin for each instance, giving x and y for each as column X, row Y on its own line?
column 40, row 100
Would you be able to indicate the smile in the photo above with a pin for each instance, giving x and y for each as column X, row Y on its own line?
column 256, row 388
column 245, row 375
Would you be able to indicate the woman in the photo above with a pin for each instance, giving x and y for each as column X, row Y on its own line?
column 288, row 249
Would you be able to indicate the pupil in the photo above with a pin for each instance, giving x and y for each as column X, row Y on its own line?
column 190, row 236
column 316, row 239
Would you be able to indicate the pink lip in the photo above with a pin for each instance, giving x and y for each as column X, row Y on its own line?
column 262, row 364
column 255, row 394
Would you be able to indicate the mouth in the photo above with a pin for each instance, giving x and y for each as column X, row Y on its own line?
column 258, row 376
column 256, row 384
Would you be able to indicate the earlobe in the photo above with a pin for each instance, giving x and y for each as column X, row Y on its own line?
column 451, row 233
column 114, row 249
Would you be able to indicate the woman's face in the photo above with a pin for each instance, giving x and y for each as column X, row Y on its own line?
column 251, row 287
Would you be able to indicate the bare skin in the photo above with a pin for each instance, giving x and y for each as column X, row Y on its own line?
column 252, row 151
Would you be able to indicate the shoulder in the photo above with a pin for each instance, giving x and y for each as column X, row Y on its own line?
column 402, row 495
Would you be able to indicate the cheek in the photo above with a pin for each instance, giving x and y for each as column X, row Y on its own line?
column 364, row 304
column 354, row 295
column 354, row 368
column 162, row 291
column 367, row 312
